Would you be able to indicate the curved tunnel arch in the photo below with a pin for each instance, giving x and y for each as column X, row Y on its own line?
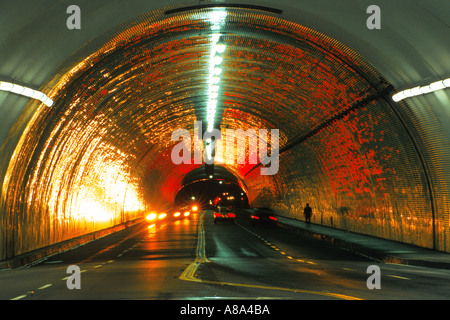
column 105, row 146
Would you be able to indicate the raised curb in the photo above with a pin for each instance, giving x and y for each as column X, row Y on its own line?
column 373, row 253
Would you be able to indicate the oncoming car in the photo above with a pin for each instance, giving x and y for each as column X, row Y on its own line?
column 224, row 214
column 174, row 214
column 156, row 217
column 181, row 213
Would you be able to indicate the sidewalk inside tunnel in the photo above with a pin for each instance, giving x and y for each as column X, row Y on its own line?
column 378, row 249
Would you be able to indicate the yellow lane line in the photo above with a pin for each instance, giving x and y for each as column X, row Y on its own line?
column 398, row 277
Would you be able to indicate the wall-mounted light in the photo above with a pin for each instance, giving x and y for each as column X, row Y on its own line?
column 419, row 90
column 27, row 92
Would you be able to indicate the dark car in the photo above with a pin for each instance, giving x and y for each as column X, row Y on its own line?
column 224, row 214
column 263, row 216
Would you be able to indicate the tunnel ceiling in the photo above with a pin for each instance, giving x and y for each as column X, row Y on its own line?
column 119, row 98
column 122, row 103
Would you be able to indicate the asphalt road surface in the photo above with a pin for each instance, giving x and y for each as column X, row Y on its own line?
column 196, row 259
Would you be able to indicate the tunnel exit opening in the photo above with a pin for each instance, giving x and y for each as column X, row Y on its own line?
column 208, row 189
column 212, row 192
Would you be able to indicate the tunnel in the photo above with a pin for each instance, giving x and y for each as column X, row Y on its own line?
column 102, row 153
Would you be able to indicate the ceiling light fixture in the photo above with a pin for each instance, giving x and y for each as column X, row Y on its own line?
column 217, row 19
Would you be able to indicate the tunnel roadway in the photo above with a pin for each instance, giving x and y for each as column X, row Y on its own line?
column 196, row 259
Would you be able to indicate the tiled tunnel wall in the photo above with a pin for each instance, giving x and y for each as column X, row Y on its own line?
column 360, row 174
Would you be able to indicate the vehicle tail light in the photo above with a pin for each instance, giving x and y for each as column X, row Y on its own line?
column 273, row 218
column 254, row 217
column 231, row 215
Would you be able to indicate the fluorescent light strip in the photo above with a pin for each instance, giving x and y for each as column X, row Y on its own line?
column 216, row 18
column 27, row 92
column 416, row 91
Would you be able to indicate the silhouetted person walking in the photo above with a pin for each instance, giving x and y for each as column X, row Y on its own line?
column 308, row 213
